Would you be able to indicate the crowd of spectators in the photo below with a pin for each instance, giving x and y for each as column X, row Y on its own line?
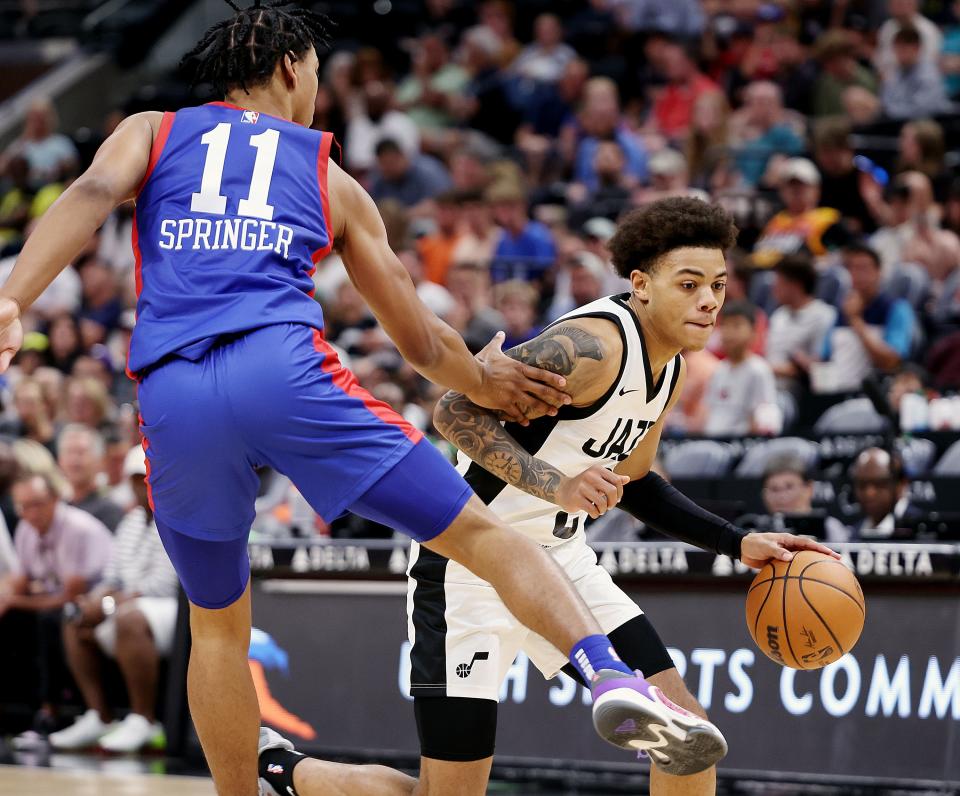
column 502, row 141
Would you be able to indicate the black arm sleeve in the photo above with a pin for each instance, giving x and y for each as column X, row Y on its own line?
column 664, row 508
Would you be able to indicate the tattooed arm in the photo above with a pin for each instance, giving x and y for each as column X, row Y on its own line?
column 587, row 352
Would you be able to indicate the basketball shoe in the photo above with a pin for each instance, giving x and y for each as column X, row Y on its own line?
column 630, row 713
column 272, row 740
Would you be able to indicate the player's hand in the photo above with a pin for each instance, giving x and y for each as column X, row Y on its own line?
column 757, row 549
column 11, row 331
column 596, row 490
column 517, row 391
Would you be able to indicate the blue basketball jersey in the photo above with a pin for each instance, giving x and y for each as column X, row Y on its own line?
column 231, row 220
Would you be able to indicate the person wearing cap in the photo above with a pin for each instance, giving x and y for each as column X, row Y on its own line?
column 131, row 617
column 762, row 130
column 802, row 222
column 669, row 176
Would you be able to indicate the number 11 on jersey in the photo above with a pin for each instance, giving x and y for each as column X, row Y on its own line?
column 210, row 200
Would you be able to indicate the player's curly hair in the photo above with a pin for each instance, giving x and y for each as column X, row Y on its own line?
column 643, row 236
column 243, row 51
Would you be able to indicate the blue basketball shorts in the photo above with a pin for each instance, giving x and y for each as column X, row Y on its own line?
column 277, row 396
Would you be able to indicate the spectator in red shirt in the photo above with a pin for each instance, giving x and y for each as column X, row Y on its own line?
column 673, row 109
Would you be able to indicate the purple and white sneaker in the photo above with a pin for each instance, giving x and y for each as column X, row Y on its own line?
column 630, row 713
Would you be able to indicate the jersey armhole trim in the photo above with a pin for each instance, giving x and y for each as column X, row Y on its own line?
column 673, row 380
column 323, row 160
column 159, row 142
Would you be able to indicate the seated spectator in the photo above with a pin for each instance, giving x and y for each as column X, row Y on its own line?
column 873, row 331
column 544, row 60
column 923, row 148
column 131, row 617
column 31, row 419
column 600, row 119
column 906, row 13
column 485, row 103
column 101, row 306
column 611, row 196
column 480, row 233
column 741, row 397
column 525, row 248
column 516, row 301
column 801, row 224
column 673, row 108
column 579, row 283
column 87, row 402
column 410, row 181
column 437, row 248
column 427, row 93
column 50, row 155
column 669, row 176
column 880, row 486
column 117, row 484
column 15, row 202
column 80, row 453
column 762, row 129
column 853, row 193
column 66, row 342
column 839, row 71
column 690, row 414
column 62, row 553
column 914, row 88
column 800, row 323
column 436, row 297
column 478, row 321
column 373, row 121
column 788, row 500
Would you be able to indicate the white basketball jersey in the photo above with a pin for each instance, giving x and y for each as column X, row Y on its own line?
column 606, row 432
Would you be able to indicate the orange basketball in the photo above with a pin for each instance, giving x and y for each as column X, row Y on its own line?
column 807, row 612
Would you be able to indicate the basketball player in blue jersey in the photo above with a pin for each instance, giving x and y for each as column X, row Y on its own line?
column 621, row 358
column 236, row 202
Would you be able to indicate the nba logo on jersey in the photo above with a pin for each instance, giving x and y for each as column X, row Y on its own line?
column 250, row 117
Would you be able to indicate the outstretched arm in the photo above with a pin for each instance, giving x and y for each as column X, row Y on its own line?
column 432, row 347
column 584, row 360
column 113, row 178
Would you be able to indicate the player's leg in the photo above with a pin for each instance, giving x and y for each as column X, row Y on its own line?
column 457, row 737
column 202, row 487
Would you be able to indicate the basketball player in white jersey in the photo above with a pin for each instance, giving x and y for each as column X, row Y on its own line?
column 621, row 358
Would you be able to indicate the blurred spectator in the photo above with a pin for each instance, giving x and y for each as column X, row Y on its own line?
column 32, row 419
column 839, row 71
column 101, row 307
column 673, row 108
column 914, row 87
column 855, row 194
column 788, row 500
column 881, row 488
column 80, row 451
column 114, row 246
column 599, row 119
column 861, row 106
column 131, row 617
column 579, row 282
column 906, row 14
column 485, row 103
column 690, row 414
column 436, row 297
column 611, row 196
column 51, row 155
column 681, row 18
column 409, row 181
column 802, row 222
column 912, row 233
column 498, row 16
column 800, row 323
column 87, row 403
column 480, row 236
column 741, row 397
column 669, row 176
column 544, row 60
column 950, row 60
column 922, row 148
column 427, row 92
column 707, row 139
column 437, row 248
column 873, row 331
column 469, row 283
column 762, row 129
column 117, row 484
column 66, row 343
column 62, row 552
column 525, row 248
column 373, row 121
column 15, row 202
column 516, row 301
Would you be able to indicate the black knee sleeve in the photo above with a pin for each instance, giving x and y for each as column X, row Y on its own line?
column 458, row 729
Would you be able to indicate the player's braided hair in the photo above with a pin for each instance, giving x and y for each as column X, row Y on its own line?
column 243, row 51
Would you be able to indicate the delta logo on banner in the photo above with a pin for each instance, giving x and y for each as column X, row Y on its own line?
column 250, row 117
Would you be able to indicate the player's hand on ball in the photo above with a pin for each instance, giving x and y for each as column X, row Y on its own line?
column 11, row 331
column 595, row 491
column 517, row 391
column 757, row 549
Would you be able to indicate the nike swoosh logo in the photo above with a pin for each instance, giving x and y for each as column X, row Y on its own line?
column 625, row 392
